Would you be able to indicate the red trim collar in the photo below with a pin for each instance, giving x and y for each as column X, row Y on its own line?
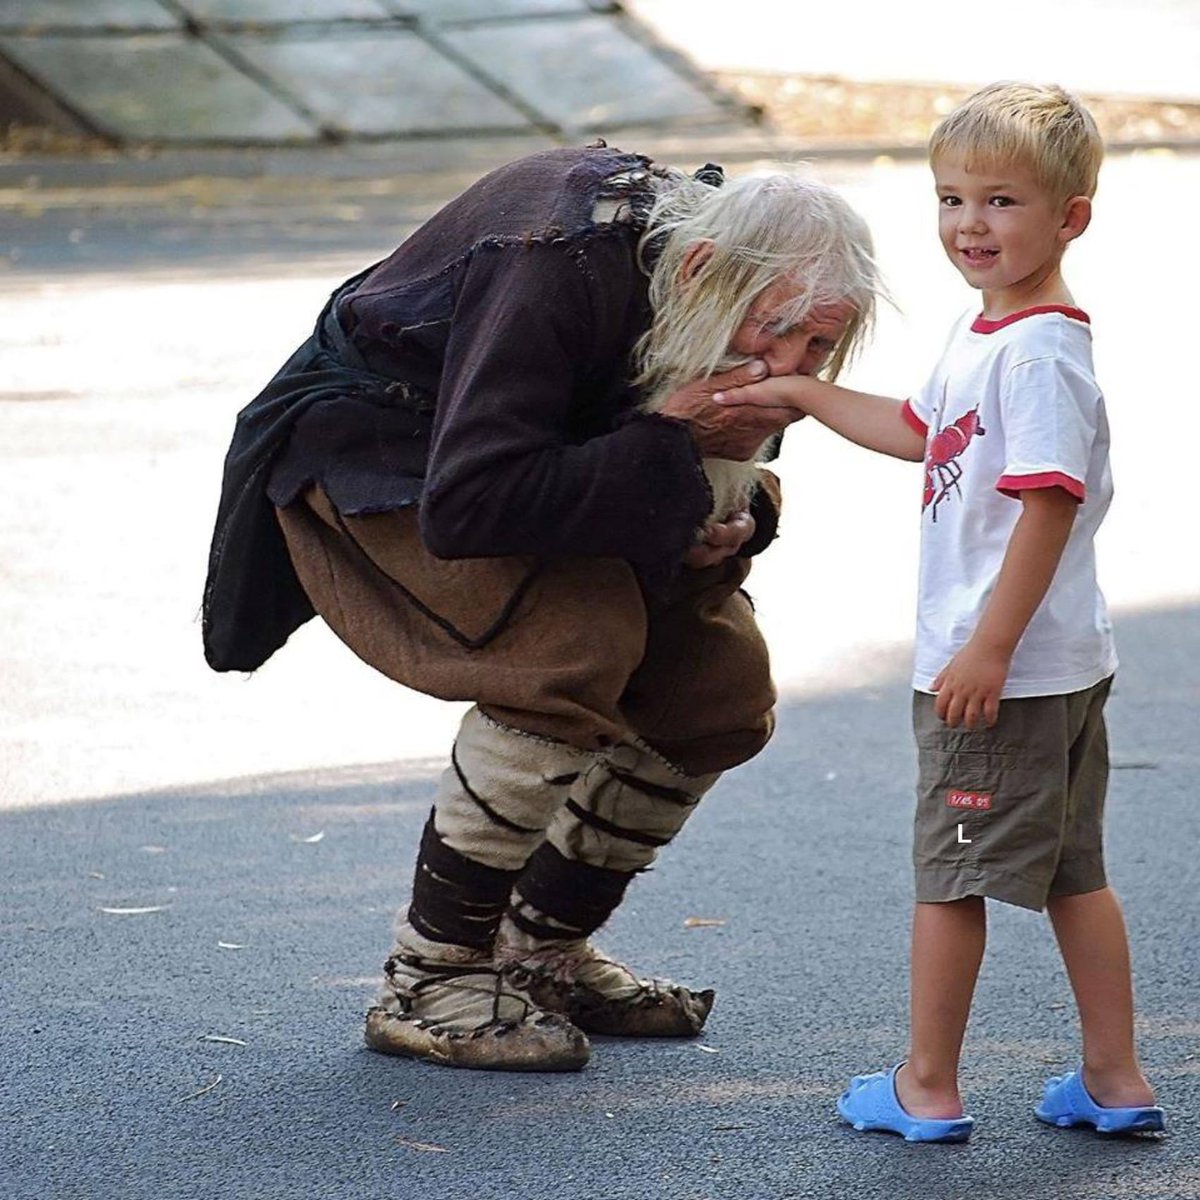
column 981, row 324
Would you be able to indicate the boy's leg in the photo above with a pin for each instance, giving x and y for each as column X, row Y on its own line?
column 1090, row 929
column 1087, row 918
column 947, row 949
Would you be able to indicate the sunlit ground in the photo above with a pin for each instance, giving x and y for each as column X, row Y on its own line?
column 120, row 395
column 1106, row 47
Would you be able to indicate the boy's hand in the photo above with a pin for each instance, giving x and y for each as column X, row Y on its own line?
column 969, row 686
column 781, row 391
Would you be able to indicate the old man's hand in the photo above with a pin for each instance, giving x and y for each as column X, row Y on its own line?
column 722, row 540
column 727, row 432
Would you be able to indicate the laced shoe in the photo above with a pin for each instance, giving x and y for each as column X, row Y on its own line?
column 451, row 1005
column 597, row 993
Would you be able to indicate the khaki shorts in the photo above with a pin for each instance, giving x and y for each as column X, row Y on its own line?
column 1014, row 812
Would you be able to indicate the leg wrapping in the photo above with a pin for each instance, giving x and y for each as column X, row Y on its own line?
column 624, row 808
column 501, row 791
column 581, row 897
column 456, row 899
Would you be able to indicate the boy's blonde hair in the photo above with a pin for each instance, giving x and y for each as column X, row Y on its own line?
column 1043, row 127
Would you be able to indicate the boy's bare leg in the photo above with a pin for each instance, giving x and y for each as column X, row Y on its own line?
column 947, row 949
column 1090, row 929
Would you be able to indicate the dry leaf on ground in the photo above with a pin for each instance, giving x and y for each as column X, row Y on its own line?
column 202, row 1092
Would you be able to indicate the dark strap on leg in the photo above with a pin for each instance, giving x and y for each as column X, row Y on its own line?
column 577, row 894
column 456, row 899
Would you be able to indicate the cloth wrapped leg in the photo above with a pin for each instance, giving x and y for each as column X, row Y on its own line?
column 629, row 804
column 444, row 998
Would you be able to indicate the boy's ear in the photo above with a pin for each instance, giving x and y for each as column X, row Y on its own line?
column 694, row 257
column 1077, row 216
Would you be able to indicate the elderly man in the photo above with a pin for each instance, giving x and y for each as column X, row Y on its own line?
column 461, row 473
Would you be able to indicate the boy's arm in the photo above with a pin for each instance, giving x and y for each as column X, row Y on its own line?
column 875, row 422
column 969, row 686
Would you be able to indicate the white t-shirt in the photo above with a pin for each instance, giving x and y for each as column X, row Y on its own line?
column 1013, row 404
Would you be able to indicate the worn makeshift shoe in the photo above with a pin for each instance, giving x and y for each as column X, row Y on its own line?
column 450, row 1005
column 595, row 992
column 1067, row 1102
column 870, row 1102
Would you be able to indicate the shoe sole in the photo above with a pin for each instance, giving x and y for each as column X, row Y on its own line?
column 861, row 1126
column 552, row 1044
column 1146, row 1123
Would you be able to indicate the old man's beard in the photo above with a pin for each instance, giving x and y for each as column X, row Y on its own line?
column 733, row 483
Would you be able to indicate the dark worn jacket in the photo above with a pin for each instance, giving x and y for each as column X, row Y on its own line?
column 481, row 371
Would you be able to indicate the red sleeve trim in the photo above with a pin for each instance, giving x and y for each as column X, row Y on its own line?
column 1014, row 485
column 912, row 420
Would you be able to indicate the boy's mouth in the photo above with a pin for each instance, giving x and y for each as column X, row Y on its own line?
column 978, row 255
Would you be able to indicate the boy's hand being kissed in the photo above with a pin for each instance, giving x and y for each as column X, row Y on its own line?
column 969, row 686
column 871, row 421
column 779, row 391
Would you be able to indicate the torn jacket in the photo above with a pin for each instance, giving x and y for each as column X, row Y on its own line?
column 482, row 373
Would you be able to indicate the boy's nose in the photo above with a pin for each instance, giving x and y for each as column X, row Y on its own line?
column 972, row 221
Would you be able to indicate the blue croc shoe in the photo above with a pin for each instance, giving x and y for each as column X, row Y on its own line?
column 1066, row 1102
column 870, row 1102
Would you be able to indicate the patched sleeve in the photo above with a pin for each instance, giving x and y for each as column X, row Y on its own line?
column 1050, row 410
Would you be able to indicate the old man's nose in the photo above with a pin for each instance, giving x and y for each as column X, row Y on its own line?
column 798, row 356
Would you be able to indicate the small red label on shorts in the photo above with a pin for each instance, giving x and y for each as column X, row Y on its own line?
column 979, row 800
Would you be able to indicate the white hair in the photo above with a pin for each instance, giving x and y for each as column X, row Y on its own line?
column 762, row 228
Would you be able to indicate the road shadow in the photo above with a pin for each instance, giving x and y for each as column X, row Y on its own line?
column 273, row 902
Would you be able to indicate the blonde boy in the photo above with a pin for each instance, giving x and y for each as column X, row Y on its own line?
column 1014, row 653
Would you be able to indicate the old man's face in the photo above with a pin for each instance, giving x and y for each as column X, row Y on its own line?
column 790, row 349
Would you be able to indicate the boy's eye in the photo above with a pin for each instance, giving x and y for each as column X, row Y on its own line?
column 1001, row 201
column 951, row 201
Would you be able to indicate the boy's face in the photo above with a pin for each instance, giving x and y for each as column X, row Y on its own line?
column 1000, row 228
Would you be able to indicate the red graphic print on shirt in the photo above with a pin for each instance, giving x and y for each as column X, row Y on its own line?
column 942, row 473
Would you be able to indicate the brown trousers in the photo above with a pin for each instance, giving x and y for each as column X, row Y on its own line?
column 569, row 649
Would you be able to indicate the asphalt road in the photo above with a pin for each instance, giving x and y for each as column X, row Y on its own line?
column 802, row 855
